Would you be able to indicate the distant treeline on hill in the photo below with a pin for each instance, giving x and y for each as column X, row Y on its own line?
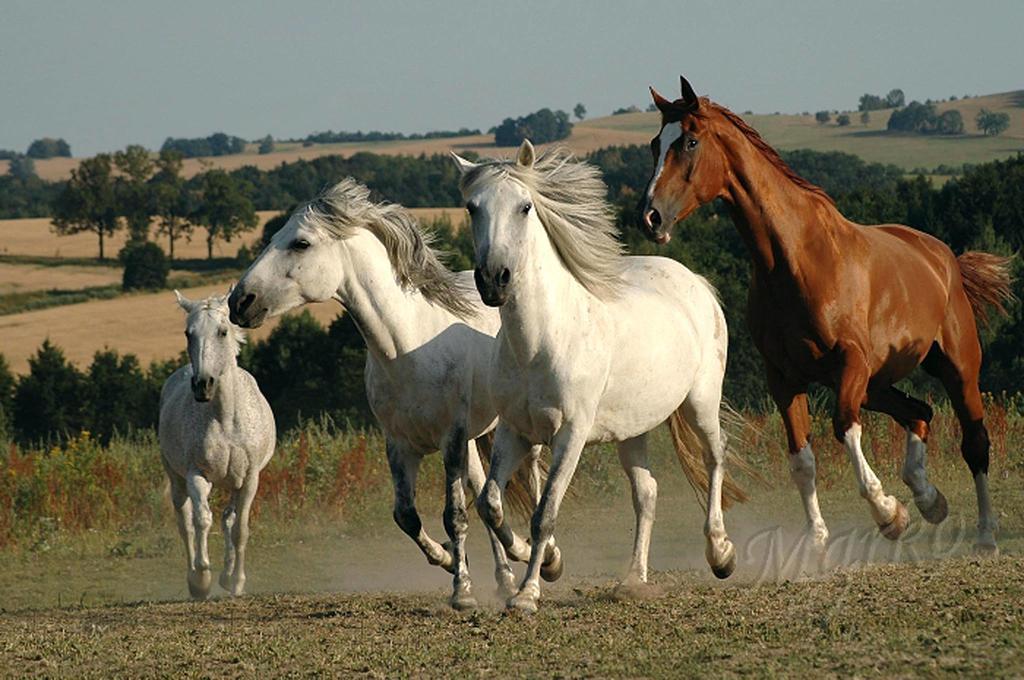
column 217, row 144
column 331, row 137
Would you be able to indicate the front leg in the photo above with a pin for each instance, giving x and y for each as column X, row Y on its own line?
column 405, row 465
column 507, row 455
column 565, row 456
column 502, row 571
column 456, row 453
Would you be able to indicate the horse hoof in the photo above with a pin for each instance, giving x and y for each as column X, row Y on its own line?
column 462, row 602
column 897, row 525
column 552, row 571
column 523, row 603
column 199, row 584
column 986, row 550
column 724, row 571
column 938, row 510
column 225, row 581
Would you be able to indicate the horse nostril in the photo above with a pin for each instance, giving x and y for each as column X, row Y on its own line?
column 246, row 302
column 504, row 276
column 653, row 218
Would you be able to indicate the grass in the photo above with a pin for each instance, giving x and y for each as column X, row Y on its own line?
column 93, row 576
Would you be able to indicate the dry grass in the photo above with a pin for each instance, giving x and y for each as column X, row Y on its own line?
column 783, row 131
column 23, row 278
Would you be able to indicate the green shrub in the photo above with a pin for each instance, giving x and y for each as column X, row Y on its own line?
column 145, row 266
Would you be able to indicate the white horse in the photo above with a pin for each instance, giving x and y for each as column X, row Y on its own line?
column 593, row 347
column 216, row 430
column 429, row 343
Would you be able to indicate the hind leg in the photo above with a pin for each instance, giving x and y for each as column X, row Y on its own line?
column 890, row 515
column 456, row 523
column 405, row 466
column 503, row 575
column 957, row 364
column 914, row 415
column 792, row 404
column 202, row 519
column 633, row 456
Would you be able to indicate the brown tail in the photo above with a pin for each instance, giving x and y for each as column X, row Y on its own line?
column 518, row 492
column 986, row 279
column 690, row 452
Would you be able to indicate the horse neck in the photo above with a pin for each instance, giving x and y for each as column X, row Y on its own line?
column 393, row 321
column 775, row 216
column 548, row 304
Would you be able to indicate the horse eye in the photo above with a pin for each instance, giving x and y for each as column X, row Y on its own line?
column 691, row 144
column 527, row 207
column 223, row 332
column 300, row 244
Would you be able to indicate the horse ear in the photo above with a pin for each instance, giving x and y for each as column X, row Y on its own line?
column 689, row 96
column 527, row 155
column 461, row 163
column 663, row 104
column 183, row 301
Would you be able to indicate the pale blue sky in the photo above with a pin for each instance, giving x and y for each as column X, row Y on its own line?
column 106, row 74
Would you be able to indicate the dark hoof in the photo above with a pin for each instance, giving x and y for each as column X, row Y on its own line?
column 937, row 512
column 552, row 571
column 724, row 571
column 895, row 528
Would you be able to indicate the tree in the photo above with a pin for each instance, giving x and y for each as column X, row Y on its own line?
column 87, row 202
column 580, row 111
column 539, row 127
column 989, row 122
column 843, row 120
column 116, row 394
column 949, row 123
column 865, row 118
column 895, row 99
column 145, row 266
column 49, row 400
column 224, row 208
column 172, row 200
column 7, row 384
column 822, row 117
column 266, row 145
column 22, row 167
column 48, row 147
column 870, row 102
column 132, row 190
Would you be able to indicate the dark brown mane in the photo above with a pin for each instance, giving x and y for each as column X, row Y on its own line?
column 769, row 153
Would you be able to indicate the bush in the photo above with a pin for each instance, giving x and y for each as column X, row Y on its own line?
column 822, row 117
column 843, row 120
column 539, row 127
column 145, row 266
column 48, row 147
column 48, row 402
column 266, row 145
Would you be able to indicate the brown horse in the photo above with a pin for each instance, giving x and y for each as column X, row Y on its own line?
column 855, row 308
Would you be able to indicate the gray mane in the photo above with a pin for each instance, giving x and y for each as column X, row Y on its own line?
column 346, row 206
column 570, row 199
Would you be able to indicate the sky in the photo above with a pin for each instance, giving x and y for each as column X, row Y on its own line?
column 107, row 74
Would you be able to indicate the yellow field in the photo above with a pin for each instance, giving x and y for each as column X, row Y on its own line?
column 784, row 131
column 147, row 325
column 23, row 278
column 35, row 237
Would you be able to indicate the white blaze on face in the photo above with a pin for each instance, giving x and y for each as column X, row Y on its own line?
column 669, row 134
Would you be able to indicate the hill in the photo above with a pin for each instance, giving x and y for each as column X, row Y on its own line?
column 785, row 131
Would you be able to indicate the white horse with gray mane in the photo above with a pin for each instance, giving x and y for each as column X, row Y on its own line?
column 593, row 347
column 429, row 343
column 216, row 430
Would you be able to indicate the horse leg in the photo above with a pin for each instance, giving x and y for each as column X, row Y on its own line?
column 957, row 364
column 456, row 453
column 507, row 455
column 915, row 416
column 633, row 457
column 890, row 515
column 227, row 522
column 701, row 411
column 202, row 519
column 565, row 456
column 240, row 531
column 183, row 514
column 551, row 567
column 502, row 571
column 792, row 404
column 405, row 466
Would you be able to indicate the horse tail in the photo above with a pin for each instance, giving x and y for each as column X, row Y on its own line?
column 986, row 278
column 690, row 451
column 518, row 492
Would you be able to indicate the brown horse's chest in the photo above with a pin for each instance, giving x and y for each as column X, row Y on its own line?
column 791, row 336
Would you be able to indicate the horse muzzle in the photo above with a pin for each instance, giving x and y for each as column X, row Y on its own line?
column 493, row 287
column 243, row 310
column 652, row 226
column 202, row 390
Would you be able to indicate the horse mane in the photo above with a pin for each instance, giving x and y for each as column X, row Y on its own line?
column 755, row 138
column 346, row 206
column 570, row 199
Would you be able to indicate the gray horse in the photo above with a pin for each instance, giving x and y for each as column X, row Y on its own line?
column 216, row 429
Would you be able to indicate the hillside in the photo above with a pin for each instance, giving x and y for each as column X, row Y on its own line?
column 785, row 131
